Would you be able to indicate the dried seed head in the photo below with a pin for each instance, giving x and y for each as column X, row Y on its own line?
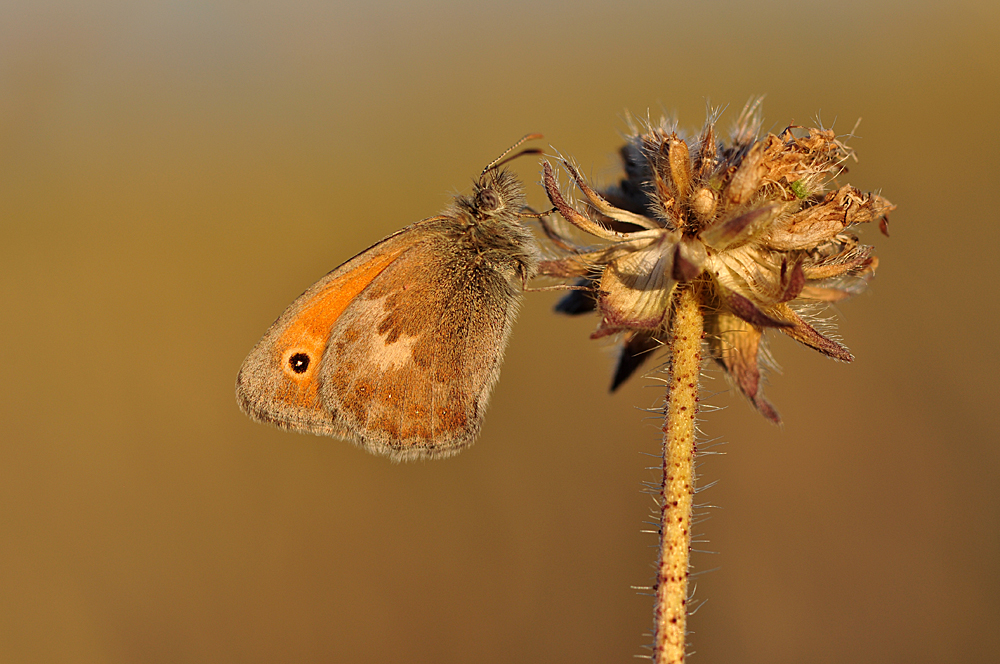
column 752, row 226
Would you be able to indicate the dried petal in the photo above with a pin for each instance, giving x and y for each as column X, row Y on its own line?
column 707, row 152
column 636, row 289
column 751, row 313
column 803, row 160
column 735, row 344
column 804, row 333
column 603, row 206
column 740, row 228
column 819, row 223
column 679, row 160
column 749, row 270
column 808, row 228
column 747, row 177
column 792, row 281
column 638, row 348
column 854, row 260
column 568, row 213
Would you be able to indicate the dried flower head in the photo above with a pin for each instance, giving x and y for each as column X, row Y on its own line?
column 757, row 228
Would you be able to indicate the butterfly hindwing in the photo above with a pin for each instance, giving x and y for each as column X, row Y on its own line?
column 410, row 364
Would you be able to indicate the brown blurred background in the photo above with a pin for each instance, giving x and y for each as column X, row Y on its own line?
column 173, row 174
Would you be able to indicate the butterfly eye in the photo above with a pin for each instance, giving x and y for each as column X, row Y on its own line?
column 487, row 200
column 299, row 363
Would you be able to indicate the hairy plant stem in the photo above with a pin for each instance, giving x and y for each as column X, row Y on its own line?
column 677, row 490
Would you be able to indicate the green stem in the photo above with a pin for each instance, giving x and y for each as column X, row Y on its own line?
column 677, row 492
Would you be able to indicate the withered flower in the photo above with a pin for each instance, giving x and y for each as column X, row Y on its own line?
column 758, row 228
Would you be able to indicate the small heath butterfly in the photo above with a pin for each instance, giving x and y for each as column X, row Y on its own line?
column 397, row 349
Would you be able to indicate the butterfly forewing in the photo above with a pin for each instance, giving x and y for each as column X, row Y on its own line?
column 277, row 382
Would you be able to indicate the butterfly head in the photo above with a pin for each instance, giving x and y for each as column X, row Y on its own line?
column 497, row 195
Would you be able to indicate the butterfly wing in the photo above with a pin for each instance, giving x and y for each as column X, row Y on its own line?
column 279, row 380
column 397, row 350
column 412, row 361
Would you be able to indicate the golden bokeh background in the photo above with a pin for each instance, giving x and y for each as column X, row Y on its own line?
column 172, row 174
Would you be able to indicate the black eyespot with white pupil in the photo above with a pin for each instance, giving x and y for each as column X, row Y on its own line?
column 299, row 363
column 488, row 200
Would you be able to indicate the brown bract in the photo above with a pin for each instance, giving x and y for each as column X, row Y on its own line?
column 759, row 228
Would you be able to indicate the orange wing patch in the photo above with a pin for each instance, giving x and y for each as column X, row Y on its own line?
column 318, row 315
column 279, row 380
column 303, row 342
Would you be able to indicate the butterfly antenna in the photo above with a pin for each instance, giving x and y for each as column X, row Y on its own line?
column 502, row 159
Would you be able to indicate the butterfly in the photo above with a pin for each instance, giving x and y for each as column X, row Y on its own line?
column 398, row 349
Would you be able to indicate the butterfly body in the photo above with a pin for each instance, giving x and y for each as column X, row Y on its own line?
column 397, row 349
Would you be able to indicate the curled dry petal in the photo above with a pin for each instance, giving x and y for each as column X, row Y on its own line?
column 847, row 284
column 635, row 289
column 570, row 214
column 605, row 208
column 805, row 333
column 803, row 158
column 819, row 223
column 853, row 260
